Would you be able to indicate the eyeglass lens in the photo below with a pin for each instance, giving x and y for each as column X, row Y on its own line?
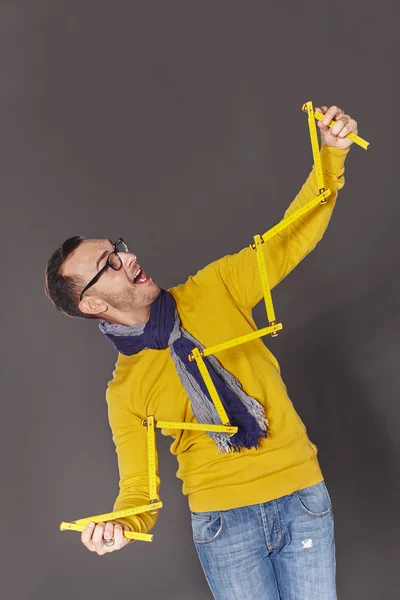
column 114, row 260
column 120, row 246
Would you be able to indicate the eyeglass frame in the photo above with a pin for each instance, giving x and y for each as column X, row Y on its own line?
column 108, row 264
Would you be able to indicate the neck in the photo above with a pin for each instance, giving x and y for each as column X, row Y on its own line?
column 128, row 318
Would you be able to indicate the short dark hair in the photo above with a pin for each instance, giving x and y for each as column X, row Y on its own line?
column 62, row 290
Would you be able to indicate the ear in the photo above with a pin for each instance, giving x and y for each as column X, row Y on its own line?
column 93, row 306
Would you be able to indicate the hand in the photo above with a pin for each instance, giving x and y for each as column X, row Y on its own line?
column 93, row 536
column 344, row 125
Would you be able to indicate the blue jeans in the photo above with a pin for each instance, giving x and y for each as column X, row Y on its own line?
column 278, row 550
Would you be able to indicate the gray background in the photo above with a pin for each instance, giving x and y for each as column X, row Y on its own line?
column 177, row 125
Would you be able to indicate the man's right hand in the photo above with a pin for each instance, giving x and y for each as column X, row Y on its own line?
column 94, row 535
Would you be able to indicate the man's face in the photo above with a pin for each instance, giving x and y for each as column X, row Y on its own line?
column 115, row 288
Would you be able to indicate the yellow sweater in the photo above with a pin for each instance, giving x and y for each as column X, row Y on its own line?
column 216, row 305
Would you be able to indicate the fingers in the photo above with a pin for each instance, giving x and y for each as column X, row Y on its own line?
column 108, row 534
column 120, row 539
column 344, row 124
column 94, row 536
column 331, row 113
column 86, row 536
column 339, row 125
column 351, row 127
column 102, row 532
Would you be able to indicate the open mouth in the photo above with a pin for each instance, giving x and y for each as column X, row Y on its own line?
column 141, row 278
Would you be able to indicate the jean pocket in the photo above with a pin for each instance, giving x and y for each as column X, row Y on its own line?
column 315, row 500
column 206, row 527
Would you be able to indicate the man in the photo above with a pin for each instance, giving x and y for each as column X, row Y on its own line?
column 261, row 513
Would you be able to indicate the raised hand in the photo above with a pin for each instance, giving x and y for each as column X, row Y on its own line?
column 344, row 125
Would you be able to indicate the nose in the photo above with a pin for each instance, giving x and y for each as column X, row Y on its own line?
column 128, row 259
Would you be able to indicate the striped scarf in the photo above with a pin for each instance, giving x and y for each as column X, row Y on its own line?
column 163, row 330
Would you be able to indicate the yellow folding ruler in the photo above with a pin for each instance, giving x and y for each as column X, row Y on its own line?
column 154, row 503
column 151, row 459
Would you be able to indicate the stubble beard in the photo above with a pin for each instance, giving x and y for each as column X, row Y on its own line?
column 131, row 298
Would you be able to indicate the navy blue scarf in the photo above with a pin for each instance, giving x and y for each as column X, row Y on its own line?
column 163, row 330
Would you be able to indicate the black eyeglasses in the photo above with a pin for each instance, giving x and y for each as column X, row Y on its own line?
column 114, row 261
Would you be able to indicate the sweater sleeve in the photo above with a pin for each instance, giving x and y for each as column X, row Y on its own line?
column 237, row 275
column 130, row 439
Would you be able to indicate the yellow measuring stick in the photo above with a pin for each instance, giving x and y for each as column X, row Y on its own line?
column 211, row 387
column 80, row 524
column 258, row 241
column 248, row 337
column 320, row 199
column 308, row 107
column 196, row 426
column 151, row 458
column 117, row 514
column 352, row 136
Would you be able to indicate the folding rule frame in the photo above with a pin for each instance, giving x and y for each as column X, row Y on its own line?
column 197, row 355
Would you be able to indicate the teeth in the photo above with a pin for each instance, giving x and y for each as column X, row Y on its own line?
column 142, row 279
